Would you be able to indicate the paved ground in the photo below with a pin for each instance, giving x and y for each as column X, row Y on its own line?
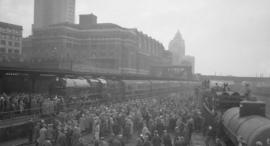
column 197, row 139
column 88, row 141
column 14, row 142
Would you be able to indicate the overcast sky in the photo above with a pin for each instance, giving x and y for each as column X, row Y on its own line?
column 228, row 37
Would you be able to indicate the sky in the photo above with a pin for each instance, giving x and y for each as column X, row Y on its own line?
column 227, row 37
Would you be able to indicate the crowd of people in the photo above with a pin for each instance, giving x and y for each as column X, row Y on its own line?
column 152, row 121
column 20, row 104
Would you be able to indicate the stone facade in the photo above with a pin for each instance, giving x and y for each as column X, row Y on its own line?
column 189, row 61
column 101, row 47
column 10, row 41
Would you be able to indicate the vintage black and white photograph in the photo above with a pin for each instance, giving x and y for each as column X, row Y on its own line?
column 134, row 72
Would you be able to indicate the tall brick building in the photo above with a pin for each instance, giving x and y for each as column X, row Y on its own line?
column 92, row 46
column 179, row 57
column 177, row 47
column 48, row 12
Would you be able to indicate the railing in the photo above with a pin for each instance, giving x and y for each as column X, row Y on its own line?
column 17, row 113
column 40, row 111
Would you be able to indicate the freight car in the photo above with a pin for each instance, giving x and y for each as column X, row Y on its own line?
column 235, row 119
column 251, row 128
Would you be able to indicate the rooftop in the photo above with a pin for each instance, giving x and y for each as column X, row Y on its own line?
column 8, row 25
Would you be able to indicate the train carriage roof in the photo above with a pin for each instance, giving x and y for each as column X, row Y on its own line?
column 76, row 83
column 136, row 81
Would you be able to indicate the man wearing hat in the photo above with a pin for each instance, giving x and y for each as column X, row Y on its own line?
column 61, row 138
column 42, row 134
column 140, row 140
column 156, row 140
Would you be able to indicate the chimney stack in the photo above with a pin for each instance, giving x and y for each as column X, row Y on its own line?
column 88, row 20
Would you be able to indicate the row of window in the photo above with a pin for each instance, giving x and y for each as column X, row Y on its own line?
column 10, row 43
column 3, row 50
column 8, row 30
column 10, row 37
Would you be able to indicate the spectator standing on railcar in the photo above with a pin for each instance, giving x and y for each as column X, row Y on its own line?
column 247, row 91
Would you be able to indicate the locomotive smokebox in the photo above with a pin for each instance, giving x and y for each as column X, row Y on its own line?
column 248, row 108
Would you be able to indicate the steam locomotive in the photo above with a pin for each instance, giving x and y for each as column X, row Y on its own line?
column 118, row 89
column 235, row 119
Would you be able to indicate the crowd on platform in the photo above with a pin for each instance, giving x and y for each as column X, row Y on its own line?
column 20, row 104
column 151, row 121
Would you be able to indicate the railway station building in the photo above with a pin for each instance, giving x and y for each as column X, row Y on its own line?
column 100, row 47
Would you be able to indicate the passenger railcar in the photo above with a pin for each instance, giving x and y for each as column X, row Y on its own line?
column 118, row 89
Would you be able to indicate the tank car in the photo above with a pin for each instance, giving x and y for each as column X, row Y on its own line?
column 251, row 128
